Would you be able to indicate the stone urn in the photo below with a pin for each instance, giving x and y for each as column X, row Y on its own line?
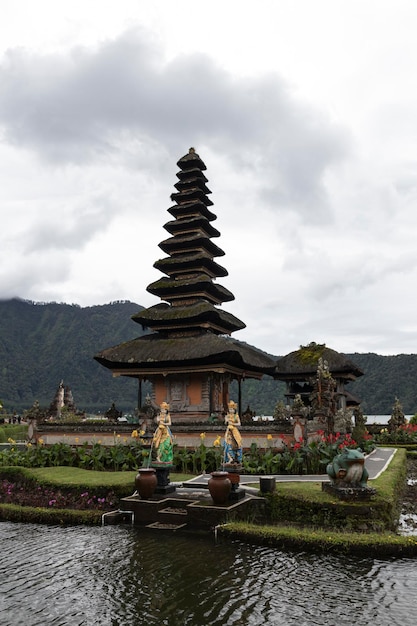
column 220, row 487
column 146, row 482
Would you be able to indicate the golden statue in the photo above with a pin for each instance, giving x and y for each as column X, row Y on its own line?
column 162, row 438
column 232, row 437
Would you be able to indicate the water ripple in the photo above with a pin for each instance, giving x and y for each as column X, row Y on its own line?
column 123, row 576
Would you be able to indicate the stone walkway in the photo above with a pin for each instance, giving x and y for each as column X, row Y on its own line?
column 375, row 463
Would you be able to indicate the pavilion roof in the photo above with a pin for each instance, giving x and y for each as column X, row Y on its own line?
column 303, row 363
column 156, row 353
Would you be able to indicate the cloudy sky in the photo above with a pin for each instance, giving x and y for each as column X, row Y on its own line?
column 305, row 114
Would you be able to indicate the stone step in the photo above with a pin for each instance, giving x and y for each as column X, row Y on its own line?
column 172, row 515
column 165, row 526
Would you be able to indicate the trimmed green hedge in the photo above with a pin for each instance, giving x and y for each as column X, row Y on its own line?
column 297, row 502
column 40, row 515
column 371, row 544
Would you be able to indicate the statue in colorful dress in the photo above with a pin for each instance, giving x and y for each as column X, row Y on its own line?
column 162, row 439
column 232, row 437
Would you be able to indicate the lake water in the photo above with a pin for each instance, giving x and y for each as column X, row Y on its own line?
column 381, row 419
column 125, row 576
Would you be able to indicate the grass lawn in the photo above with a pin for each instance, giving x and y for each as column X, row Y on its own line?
column 74, row 476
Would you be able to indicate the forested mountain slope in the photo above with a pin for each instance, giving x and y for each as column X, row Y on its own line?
column 385, row 378
column 42, row 344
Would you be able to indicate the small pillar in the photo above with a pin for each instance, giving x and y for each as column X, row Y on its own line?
column 267, row 484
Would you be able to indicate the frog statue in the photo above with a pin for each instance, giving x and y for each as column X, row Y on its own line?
column 348, row 469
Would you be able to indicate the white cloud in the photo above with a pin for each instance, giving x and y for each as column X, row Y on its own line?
column 307, row 128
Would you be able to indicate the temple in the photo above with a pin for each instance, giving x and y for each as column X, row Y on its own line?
column 298, row 370
column 62, row 398
column 189, row 356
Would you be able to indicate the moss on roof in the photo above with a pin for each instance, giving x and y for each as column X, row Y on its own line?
column 305, row 360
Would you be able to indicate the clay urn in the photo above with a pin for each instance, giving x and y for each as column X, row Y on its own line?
column 220, row 487
column 146, row 482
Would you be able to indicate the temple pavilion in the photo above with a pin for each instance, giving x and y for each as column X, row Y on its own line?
column 189, row 355
column 298, row 370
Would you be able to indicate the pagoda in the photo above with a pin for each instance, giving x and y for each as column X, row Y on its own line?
column 189, row 355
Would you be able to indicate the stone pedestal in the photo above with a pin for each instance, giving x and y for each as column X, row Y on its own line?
column 162, row 475
column 350, row 494
column 233, row 471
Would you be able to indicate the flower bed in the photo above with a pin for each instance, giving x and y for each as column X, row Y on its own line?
column 23, row 494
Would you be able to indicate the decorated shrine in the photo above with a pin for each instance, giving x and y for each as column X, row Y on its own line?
column 189, row 355
column 299, row 371
column 63, row 398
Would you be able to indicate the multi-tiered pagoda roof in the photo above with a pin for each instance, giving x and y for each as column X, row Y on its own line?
column 188, row 329
column 189, row 286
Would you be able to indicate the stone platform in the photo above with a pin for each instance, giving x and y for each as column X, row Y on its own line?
column 187, row 508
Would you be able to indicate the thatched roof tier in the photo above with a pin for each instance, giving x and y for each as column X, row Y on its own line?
column 303, row 363
column 194, row 316
column 198, row 286
column 197, row 224
column 185, row 263
column 192, row 173
column 191, row 209
column 191, row 194
column 192, row 182
column 190, row 161
column 187, row 243
column 152, row 354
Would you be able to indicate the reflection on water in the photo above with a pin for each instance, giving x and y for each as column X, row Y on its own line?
column 123, row 576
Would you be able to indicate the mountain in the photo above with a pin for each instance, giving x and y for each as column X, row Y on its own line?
column 44, row 343
column 385, row 378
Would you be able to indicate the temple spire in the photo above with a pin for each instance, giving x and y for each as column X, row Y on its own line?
column 190, row 270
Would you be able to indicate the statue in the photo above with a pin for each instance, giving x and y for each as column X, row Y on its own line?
column 323, row 401
column 397, row 418
column 343, row 421
column 282, row 413
column 147, row 416
column 359, row 429
column 348, row 469
column 162, row 439
column 232, row 437
column 112, row 413
column 248, row 415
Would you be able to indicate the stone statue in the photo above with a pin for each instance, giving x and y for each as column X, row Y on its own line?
column 162, row 439
column 323, row 402
column 232, row 437
column 112, row 413
column 397, row 418
column 348, row 469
